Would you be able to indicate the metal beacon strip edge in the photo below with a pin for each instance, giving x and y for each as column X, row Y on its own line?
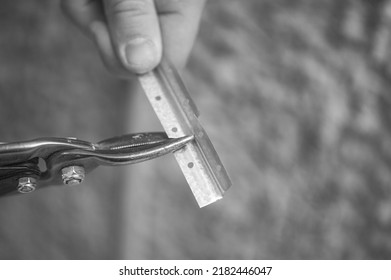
column 178, row 115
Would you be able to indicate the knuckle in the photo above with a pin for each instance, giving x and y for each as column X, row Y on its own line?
column 130, row 8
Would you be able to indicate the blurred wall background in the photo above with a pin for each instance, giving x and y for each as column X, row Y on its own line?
column 293, row 93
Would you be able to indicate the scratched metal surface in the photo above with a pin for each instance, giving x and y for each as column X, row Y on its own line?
column 294, row 95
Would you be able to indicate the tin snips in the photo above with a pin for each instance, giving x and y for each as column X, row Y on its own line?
column 27, row 165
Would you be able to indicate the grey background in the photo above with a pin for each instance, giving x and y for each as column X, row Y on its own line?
column 293, row 93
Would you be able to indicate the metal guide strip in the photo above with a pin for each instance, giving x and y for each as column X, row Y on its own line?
column 177, row 113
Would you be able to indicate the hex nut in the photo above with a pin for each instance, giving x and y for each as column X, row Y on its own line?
column 27, row 185
column 73, row 175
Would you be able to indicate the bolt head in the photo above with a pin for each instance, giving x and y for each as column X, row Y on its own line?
column 73, row 175
column 27, row 185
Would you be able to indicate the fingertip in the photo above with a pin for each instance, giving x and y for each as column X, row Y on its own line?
column 135, row 33
column 140, row 54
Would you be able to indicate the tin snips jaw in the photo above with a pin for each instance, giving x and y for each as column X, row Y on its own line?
column 27, row 165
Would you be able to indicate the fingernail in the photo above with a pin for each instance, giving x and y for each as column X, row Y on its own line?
column 140, row 55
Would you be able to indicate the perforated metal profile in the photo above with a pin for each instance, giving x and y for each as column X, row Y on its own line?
column 178, row 115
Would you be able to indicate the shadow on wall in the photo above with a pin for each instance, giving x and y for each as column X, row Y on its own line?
column 294, row 95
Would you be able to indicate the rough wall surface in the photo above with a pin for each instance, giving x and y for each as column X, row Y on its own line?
column 294, row 94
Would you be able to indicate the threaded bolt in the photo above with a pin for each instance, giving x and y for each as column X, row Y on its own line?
column 73, row 175
column 27, row 184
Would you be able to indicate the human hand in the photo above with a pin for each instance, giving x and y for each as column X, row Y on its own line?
column 132, row 35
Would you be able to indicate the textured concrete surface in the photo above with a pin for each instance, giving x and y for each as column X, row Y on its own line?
column 295, row 97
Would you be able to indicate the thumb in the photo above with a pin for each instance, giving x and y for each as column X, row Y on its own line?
column 135, row 33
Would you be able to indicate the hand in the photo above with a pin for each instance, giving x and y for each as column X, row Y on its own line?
column 132, row 35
